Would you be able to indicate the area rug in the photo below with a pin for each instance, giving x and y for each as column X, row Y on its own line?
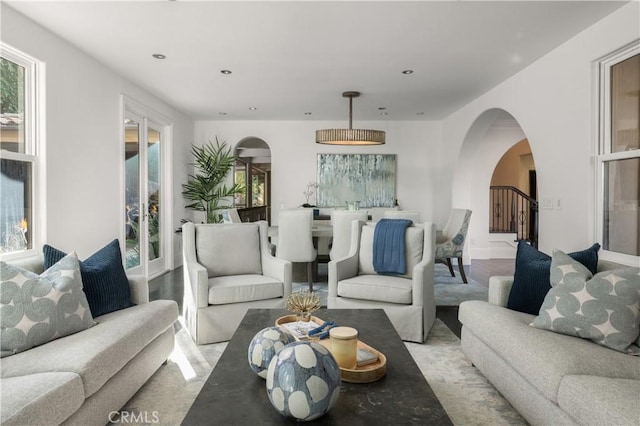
column 464, row 393
column 448, row 290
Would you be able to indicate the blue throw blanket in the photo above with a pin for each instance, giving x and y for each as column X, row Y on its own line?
column 389, row 246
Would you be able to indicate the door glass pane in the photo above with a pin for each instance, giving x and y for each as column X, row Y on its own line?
column 132, row 192
column 258, row 181
column 12, row 98
column 240, row 178
column 621, row 206
column 15, row 211
column 153, row 166
column 625, row 105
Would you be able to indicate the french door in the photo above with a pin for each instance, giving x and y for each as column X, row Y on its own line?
column 144, row 201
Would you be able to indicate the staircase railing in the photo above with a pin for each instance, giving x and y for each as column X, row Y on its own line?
column 513, row 211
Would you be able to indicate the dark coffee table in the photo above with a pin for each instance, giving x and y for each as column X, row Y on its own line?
column 234, row 395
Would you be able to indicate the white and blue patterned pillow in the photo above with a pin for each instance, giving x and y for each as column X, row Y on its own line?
column 604, row 308
column 36, row 309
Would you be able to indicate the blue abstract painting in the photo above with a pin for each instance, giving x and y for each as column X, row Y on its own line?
column 367, row 178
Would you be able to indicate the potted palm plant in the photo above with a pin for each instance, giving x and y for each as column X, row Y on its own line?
column 206, row 188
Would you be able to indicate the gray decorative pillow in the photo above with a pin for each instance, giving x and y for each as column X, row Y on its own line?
column 35, row 309
column 603, row 308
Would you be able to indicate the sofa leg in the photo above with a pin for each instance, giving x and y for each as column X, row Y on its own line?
column 461, row 267
column 166, row 361
column 450, row 266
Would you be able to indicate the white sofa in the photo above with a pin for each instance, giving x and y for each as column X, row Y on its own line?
column 549, row 378
column 86, row 377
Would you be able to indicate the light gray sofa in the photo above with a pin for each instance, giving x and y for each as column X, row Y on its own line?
column 549, row 378
column 85, row 378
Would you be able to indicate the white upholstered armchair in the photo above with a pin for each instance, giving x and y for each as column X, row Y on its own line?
column 408, row 300
column 228, row 268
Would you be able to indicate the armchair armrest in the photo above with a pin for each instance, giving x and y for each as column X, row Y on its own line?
column 341, row 269
column 279, row 269
column 499, row 289
column 196, row 277
column 423, row 281
column 139, row 288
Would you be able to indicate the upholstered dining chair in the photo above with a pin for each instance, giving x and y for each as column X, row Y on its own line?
column 341, row 223
column 407, row 299
column 450, row 242
column 230, row 216
column 295, row 242
column 228, row 269
column 413, row 215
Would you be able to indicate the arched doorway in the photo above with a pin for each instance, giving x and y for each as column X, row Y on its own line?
column 253, row 171
column 489, row 137
column 513, row 206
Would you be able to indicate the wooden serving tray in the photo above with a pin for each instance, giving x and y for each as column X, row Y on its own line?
column 362, row 374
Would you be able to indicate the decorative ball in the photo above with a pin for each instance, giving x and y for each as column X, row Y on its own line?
column 303, row 381
column 264, row 345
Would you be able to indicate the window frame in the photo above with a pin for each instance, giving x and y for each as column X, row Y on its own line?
column 604, row 152
column 34, row 99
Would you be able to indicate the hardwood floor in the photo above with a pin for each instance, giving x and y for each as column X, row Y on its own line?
column 170, row 286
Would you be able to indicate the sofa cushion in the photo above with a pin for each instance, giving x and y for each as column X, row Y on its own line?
column 380, row 288
column 229, row 249
column 104, row 280
column 98, row 353
column 414, row 241
column 243, row 288
column 42, row 398
column 36, row 309
column 600, row 400
column 541, row 357
column 531, row 281
column 603, row 308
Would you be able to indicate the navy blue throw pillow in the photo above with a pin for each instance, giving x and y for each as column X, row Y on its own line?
column 532, row 282
column 103, row 278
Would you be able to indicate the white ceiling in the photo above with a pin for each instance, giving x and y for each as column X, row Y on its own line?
column 290, row 58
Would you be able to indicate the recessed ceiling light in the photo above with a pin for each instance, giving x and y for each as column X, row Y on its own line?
column 407, row 72
column 382, row 108
column 226, row 72
column 419, row 113
column 384, row 113
column 222, row 113
column 158, row 56
column 252, row 108
column 307, row 113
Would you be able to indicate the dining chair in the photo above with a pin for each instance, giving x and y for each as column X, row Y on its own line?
column 341, row 222
column 450, row 242
column 413, row 215
column 295, row 242
column 230, row 216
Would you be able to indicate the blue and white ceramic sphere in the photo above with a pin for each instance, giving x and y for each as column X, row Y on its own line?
column 303, row 381
column 264, row 345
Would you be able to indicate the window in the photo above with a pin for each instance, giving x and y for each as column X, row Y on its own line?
column 19, row 128
column 619, row 154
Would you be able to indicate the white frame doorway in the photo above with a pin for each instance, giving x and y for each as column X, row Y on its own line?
column 148, row 120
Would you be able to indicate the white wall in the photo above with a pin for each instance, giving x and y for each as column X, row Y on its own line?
column 84, row 156
column 553, row 100
column 294, row 156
